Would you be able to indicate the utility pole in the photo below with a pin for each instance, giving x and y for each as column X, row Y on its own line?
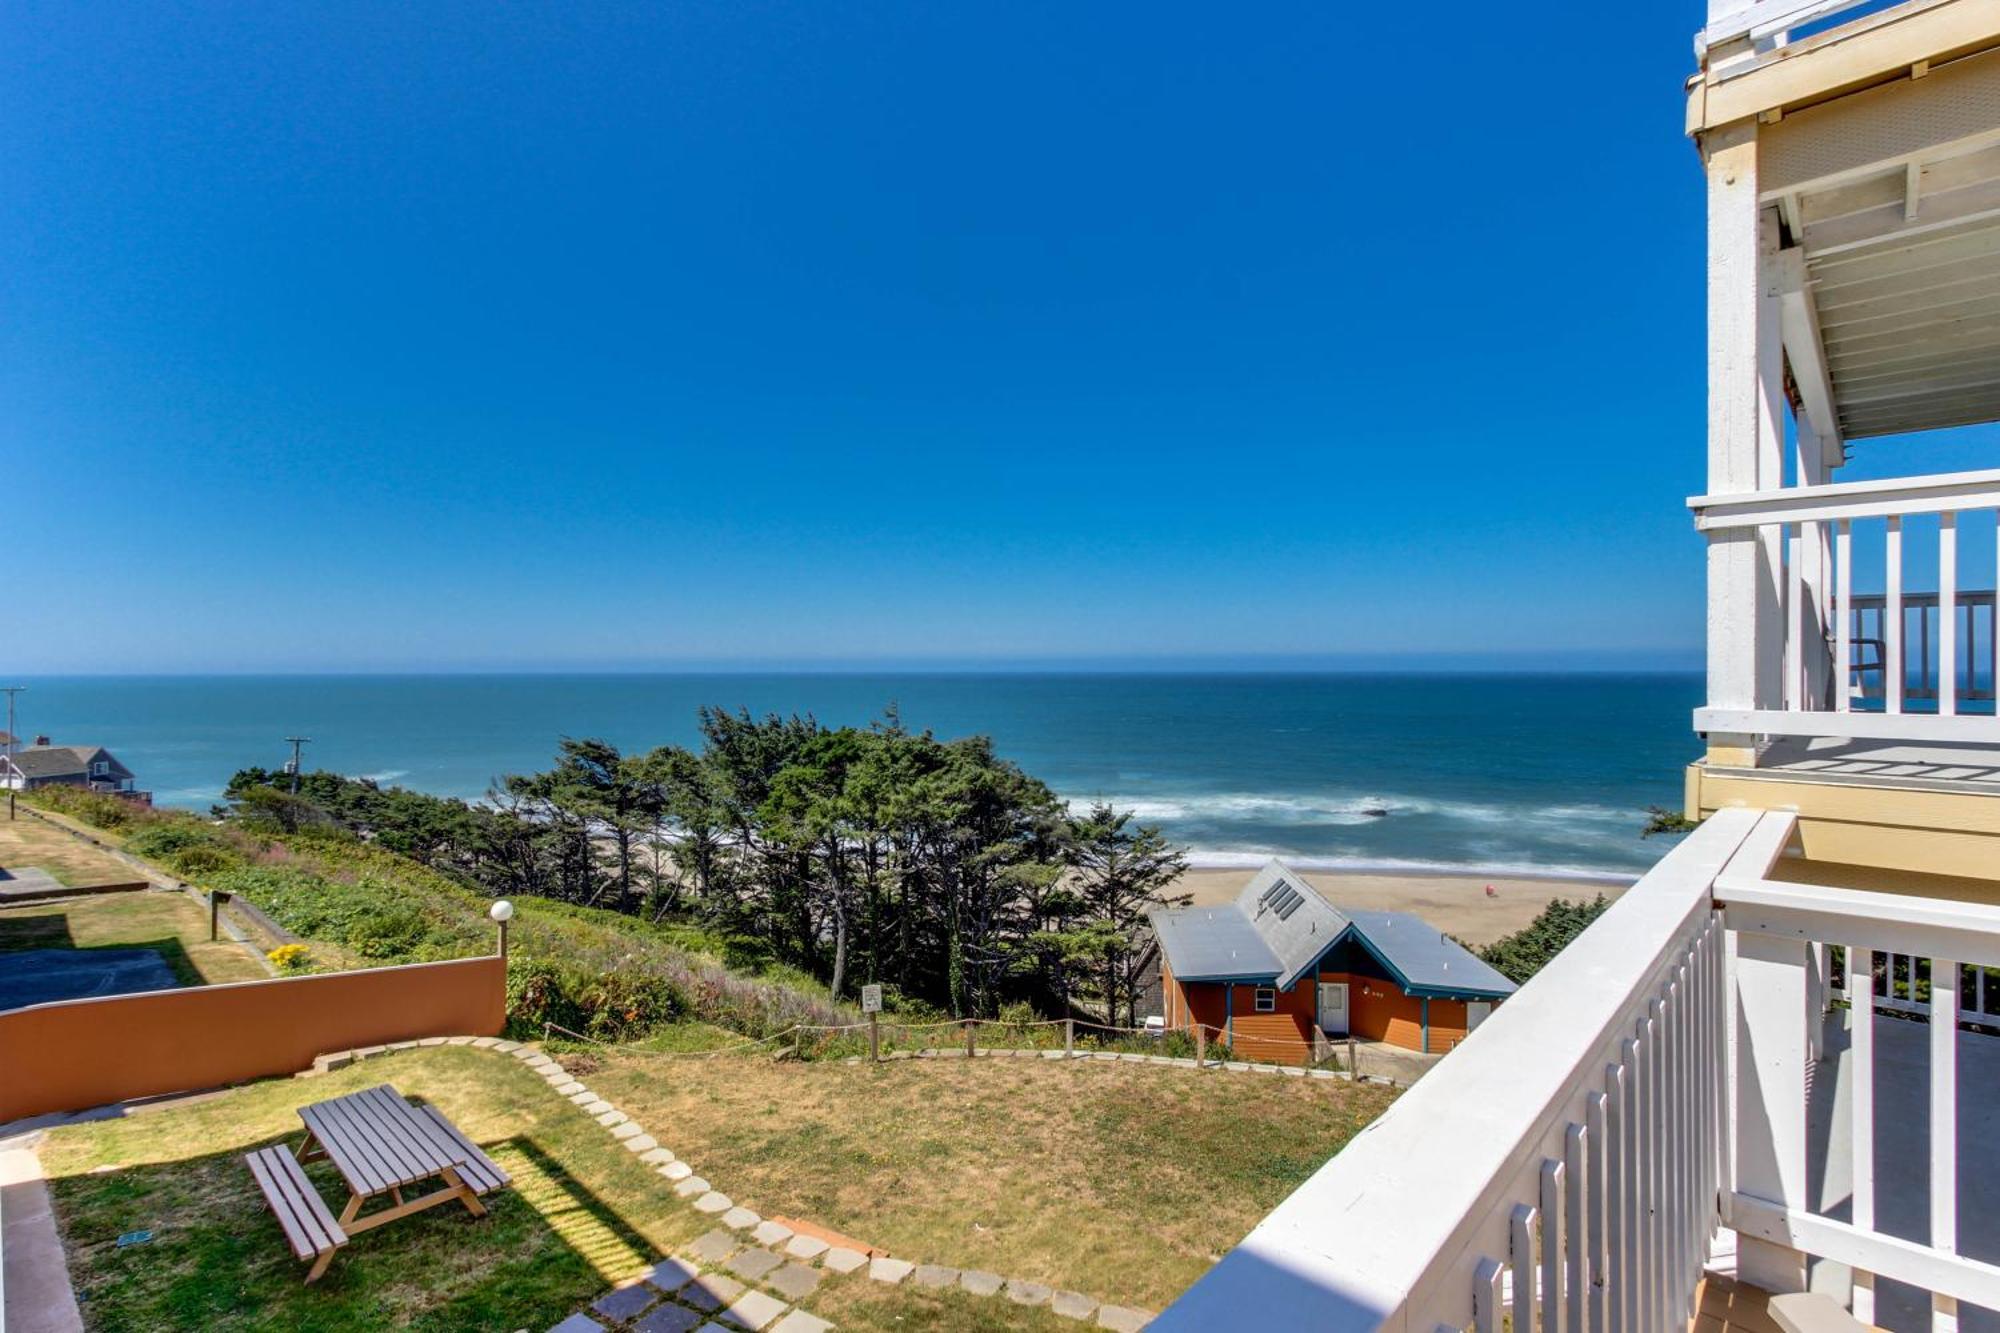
column 12, row 741
column 293, row 767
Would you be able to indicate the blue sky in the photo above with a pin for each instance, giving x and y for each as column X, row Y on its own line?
column 467, row 336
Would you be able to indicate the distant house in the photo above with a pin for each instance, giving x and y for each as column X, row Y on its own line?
column 1281, row 971
column 46, row 765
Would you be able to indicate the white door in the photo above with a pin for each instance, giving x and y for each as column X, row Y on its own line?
column 1333, row 1008
column 1476, row 1012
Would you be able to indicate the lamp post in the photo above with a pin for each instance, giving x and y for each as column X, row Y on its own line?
column 502, row 912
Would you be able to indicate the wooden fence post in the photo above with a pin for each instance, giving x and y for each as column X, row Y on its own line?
column 1353, row 1073
column 874, row 1038
column 1200, row 1046
column 1069, row 1037
column 969, row 1052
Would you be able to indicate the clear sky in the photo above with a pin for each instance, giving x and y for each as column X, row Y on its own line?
column 357, row 336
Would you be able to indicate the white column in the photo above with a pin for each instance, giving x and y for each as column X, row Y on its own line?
column 1770, row 1121
column 1745, row 434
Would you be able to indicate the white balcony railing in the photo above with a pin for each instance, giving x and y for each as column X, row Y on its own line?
column 1766, row 24
column 1916, row 661
column 1567, row 1168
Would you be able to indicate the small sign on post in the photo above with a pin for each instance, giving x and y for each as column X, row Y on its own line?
column 871, row 1005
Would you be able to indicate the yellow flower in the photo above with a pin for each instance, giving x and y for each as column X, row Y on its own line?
column 290, row 958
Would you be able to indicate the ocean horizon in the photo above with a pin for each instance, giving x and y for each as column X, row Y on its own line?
column 1437, row 771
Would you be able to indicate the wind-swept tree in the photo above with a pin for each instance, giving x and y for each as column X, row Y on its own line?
column 1118, row 874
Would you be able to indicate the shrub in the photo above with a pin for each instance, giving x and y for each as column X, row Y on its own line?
column 291, row 958
column 200, row 862
column 1528, row 950
column 89, row 807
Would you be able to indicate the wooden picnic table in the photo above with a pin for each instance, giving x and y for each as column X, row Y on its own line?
column 380, row 1144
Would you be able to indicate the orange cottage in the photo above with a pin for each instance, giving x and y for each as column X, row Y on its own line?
column 1281, row 967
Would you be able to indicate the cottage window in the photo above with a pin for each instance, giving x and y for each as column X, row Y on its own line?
column 1267, row 999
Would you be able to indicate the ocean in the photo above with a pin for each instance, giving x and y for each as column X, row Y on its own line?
column 1534, row 773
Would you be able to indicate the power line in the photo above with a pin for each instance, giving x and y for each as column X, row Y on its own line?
column 13, row 773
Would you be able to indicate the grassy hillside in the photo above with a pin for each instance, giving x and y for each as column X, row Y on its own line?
column 601, row 973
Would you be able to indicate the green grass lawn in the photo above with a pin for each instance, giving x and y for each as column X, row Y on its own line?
column 583, row 1213
column 1122, row 1181
column 168, row 922
column 28, row 841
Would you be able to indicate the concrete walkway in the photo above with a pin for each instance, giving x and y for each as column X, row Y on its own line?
column 36, row 1292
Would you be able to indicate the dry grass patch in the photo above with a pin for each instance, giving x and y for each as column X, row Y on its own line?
column 152, row 919
column 28, row 841
column 1123, row 1181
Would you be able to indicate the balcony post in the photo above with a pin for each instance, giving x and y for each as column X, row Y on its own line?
column 1769, row 1123
column 1745, row 435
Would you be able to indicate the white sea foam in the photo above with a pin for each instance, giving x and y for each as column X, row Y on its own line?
column 1233, row 859
column 1283, row 808
column 1263, row 807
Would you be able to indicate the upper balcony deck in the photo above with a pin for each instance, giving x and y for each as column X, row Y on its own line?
column 1853, row 159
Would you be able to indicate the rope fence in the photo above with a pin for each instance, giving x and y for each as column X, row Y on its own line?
column 1202, row 1044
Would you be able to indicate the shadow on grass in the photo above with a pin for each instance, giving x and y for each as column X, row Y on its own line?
column 66, row 971
column 217, row 1259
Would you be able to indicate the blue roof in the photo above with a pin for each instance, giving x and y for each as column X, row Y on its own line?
column 1214, row 944
column 1266, row 936
column 1424, row 958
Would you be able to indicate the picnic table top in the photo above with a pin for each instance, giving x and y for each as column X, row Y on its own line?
column 378, row 1141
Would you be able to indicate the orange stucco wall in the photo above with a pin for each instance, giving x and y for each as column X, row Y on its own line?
column 81, row 1053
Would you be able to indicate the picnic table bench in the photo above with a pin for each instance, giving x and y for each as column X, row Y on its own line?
column 380, row 1144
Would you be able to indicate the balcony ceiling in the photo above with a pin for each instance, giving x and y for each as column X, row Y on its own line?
column 1904, row 271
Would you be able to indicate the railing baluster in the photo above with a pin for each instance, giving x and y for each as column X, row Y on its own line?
column 1596, row 1269
column 1892, row 620
column 1556, row 1225
column 1675, row 1019
column 1486, row 1313
column 1656, row 1166
column 1524, row 1307
column 1843, row 626
column 1947, row 653
column 1632, row 1154
column 1944, row 1128
column 1861, row 1017
column 1617, row 1194
column 1795, row 617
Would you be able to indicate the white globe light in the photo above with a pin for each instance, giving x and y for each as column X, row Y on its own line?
column 501, row 911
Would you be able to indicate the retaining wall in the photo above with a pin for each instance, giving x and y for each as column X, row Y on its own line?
column 74, row 1054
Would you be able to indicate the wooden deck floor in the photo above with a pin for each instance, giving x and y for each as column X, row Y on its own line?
column 1725, row 1305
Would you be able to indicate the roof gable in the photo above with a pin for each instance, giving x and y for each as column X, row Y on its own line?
column 1423, row 959
column 1290, row 916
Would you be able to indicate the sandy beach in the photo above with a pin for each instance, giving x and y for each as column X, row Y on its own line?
column 1456, row 904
